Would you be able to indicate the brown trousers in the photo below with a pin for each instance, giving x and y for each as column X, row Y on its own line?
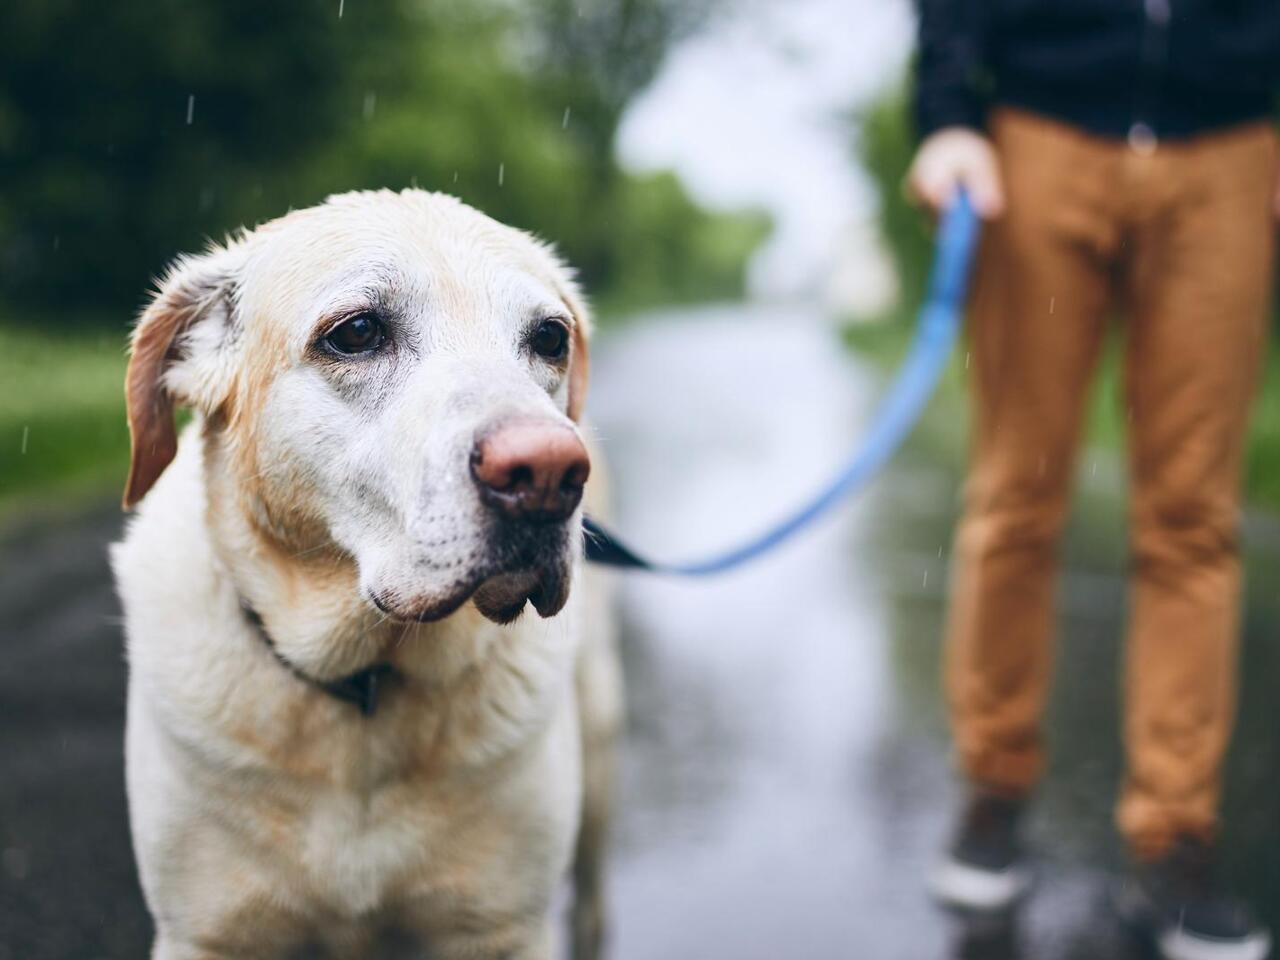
column 1181, row 238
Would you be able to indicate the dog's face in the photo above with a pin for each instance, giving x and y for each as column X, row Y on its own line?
column 393, row 374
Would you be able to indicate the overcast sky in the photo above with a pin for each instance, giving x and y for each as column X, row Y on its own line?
column 753, row 112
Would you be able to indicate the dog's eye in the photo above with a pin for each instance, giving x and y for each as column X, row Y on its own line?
column 550, row 340
column 359, row 334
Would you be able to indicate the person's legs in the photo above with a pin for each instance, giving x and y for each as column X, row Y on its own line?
column 1037, row 321
column 1199, row 286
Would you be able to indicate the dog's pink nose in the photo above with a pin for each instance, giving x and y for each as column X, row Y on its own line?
column 531, row 470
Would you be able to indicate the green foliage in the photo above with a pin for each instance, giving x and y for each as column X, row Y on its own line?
column 130, row 132
column 103, row 176
column 649, row 210
column 1262, row 476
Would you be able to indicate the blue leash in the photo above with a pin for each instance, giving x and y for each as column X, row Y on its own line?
column 938, row 326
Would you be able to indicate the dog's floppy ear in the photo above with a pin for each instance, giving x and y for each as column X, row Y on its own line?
column 173, row 360
column 579, row 353
column 579, row 373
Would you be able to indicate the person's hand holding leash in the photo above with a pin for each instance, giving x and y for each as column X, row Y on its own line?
column 952, row 158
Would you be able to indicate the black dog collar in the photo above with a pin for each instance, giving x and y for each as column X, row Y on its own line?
column 359, row 688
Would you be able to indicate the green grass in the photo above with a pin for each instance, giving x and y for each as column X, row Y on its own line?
column 885, row 343
column 63, row 435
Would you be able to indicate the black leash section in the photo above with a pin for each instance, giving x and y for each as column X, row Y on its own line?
column 604, row 549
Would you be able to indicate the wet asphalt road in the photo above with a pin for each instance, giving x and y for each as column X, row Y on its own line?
column 785, row 777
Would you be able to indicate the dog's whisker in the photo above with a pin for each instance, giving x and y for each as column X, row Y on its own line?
column 304, row 553
column 405, row 632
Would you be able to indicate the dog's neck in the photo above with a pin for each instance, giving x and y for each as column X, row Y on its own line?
column 308, row 601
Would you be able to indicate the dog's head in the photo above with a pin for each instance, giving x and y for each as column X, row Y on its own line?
column 394, row 375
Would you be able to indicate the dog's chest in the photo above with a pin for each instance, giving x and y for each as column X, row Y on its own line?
column 404, row 839
column 358, row 854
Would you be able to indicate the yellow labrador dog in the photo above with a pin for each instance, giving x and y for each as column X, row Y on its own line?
column 347, row 737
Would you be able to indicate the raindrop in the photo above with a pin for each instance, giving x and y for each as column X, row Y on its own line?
column 455, row 176
column 370, row 104
column 26, row 432
column 341, row 6
column 191, row 108
column 925, row 584
column 413, row 181
column 1052, row 301
column 966, row 359
column 502, row 173
column 564, row 121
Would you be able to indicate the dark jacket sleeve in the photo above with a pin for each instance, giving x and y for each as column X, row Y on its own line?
column 950, row 72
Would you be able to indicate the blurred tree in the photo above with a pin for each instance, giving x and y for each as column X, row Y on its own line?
column 594, row 56
column 130, row 132
column 126, row 127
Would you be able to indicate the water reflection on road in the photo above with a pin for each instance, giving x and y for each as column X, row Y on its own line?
column 786, row 778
